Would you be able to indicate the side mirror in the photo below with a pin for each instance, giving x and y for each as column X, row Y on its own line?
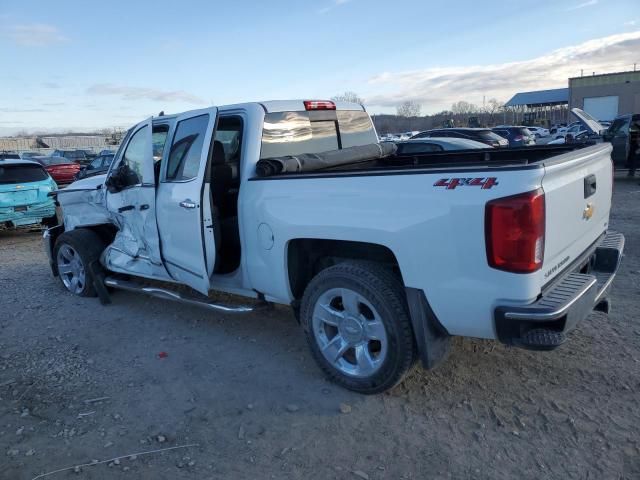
column 112, row 184
column 121, row 178
column 116, row 182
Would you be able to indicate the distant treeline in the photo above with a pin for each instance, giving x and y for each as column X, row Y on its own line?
column 397, row 123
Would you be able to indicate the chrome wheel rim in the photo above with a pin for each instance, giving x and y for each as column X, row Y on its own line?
column 349, row 332
column 71, row 269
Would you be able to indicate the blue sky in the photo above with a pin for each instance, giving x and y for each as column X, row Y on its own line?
column 71, row 66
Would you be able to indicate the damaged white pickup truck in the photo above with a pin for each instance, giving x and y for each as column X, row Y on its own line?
column 383, row 257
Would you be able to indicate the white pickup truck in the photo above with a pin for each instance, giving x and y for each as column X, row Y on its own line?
column 383, row 257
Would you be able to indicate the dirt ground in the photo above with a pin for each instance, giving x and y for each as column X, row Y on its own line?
column 245, row 393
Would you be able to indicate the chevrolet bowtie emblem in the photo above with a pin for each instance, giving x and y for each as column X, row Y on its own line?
column 587, row 213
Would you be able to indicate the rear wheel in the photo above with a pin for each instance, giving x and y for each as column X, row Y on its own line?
column 73, row 254
column 357, row 326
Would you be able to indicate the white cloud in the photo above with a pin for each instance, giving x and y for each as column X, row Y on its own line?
column 436, row 88
column 332, row 5
column 34, row 35
column 588, row 3
column 144, row 93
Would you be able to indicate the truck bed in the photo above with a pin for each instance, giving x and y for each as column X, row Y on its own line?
column 451, row 160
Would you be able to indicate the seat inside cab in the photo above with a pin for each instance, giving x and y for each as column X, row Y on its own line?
column 225, row 188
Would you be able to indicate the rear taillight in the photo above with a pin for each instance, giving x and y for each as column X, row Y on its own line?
column 319, row 105
column 514, row 232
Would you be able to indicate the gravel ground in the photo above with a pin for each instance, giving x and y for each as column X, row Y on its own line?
column 82, row 383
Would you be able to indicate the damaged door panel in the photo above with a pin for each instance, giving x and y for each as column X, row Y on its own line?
column 131, row 201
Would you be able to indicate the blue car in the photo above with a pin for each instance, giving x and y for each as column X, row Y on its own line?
column 24, row 189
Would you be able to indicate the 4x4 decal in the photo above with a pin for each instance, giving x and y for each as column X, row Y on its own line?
column 482, row 182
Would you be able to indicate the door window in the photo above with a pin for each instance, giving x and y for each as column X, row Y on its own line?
column 186, row 150
column 133, row 159
column 619, row 126
column 97, row 163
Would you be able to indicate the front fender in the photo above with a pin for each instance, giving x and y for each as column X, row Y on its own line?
column 49, row 238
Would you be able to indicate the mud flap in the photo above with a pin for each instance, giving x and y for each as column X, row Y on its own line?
column 97, row 277
column 432, row 339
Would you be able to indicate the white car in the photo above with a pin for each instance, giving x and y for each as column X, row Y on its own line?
column 383, row 260
column 574, row 130
column 539, row 132
column 435, row 144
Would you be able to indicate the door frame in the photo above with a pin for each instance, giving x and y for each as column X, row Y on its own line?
column 198, row 280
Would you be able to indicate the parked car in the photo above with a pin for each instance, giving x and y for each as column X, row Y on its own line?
column 382, row 263
column 539, row 132
column 62, row 170
column 24, row 190
column 517, row 136
column 4, row 155
column 89, row 154
column 620, row 134
column 417, row 146
column 78, row 156
column 575, row 130
column 390, row 137
column 556, row 126
column 483, row 135
column 29, row 155
column 98, row 166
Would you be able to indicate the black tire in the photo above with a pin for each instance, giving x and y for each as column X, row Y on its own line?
column 89, row 246
column 383, row 290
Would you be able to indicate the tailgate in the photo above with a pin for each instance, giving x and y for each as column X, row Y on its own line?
column 578, row 188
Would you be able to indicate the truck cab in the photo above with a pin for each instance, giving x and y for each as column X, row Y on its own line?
column 173, row 198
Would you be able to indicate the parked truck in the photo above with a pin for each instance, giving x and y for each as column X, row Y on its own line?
column 383, row 257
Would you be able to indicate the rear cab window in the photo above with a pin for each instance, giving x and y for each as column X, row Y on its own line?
column 296, row 133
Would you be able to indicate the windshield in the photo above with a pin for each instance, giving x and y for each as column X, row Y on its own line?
column 489, row 135
column 55, row 161
column 21, row 174
column 296, row 133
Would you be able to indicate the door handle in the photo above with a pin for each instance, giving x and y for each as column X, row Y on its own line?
column 188, row 204
column 127, row 208
column 590, row 185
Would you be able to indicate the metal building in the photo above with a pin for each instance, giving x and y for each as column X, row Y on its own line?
column 606, row 96
column 542, row 107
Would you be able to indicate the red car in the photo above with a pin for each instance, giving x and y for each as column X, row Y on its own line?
column 61, row 169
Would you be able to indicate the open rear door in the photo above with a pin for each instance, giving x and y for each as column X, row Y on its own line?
column 182, row 202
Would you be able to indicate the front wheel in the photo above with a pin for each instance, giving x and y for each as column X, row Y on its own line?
column 357, row 325
column 73, row 254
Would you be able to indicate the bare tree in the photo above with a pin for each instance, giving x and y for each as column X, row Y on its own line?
column 464, row 108
column 492, row 108
column 348, row 96
column 409, row 109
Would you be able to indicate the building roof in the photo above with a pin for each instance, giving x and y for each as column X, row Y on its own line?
column 556, row 96
column 605, row 79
